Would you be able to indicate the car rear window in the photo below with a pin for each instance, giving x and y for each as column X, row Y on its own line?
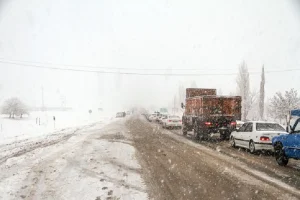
column 268, row 127
column 174, row 117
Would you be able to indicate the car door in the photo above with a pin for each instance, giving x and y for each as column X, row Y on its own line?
column 292, row 148
column 239, row 134
column 245, row 137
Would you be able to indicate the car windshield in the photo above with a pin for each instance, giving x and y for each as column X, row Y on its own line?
column 269, row 127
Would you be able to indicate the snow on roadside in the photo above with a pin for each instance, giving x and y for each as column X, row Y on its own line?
column 94, row 163
column 41, row 123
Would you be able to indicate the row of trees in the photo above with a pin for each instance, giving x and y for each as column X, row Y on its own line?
column 14, row 107
column 279, row 105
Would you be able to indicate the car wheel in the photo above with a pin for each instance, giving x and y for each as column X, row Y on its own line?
column 232, row 142
column 280, row 156
column 252, row 147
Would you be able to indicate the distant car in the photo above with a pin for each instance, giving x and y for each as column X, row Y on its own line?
column 128, row 113
column 172, row 121
column 120, row 114
column 256, row 135
column 152, row 117
column 161, row 118
column 287, row 146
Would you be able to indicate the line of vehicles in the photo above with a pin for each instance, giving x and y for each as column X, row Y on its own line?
column 166, row 120
column 207, row 113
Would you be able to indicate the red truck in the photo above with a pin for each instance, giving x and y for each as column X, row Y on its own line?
column 206, row 112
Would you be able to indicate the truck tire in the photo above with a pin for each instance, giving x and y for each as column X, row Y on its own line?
column 222, row 135
column 196, row 135
column 184, row 131
column 205, row 135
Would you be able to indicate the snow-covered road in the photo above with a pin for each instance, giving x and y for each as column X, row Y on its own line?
column 131, row 158
column 91, row 162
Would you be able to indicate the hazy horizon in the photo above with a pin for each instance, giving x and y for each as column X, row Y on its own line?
column 213, row 37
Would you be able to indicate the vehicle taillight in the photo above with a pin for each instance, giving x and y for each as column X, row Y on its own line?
column 169, row 120
column 179, row 120
column 233, row 123
column 207, row 123
column 264, row 138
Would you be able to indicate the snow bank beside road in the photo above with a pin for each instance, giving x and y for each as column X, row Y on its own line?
column 91, row 162
column 41, row 123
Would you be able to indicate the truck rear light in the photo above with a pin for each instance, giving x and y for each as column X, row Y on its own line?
column 233, row 123
column 264, row 138
column 207, row 123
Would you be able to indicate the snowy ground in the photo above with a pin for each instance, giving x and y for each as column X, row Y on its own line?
column 130, row 158
column 90, row 162
column 41, row 123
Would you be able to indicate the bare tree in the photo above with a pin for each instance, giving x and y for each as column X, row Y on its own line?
column 243, row 89
column 281, row 105
column 253, row 112
column 262, row 94
column 14, row 106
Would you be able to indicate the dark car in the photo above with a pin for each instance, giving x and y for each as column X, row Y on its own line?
column 121, row 114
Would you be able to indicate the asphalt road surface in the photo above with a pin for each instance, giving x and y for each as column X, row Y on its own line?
column 131, row 158
column 175, row 167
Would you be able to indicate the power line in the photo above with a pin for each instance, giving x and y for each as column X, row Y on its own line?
column 136, row 73
column 115, row 68
column 105, row 72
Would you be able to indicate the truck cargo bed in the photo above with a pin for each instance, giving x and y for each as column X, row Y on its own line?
column 213, row 105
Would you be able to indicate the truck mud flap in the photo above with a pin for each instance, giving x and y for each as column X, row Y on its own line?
column 224, row 134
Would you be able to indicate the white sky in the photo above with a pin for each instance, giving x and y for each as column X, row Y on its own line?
column 207, row 35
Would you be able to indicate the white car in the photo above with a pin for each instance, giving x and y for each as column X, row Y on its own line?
column 152, row 117
column 256, row 135
column 161, row 118
column 172, row 121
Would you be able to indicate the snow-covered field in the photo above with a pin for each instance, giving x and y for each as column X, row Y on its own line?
column 41, row 123
column 89, row 162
